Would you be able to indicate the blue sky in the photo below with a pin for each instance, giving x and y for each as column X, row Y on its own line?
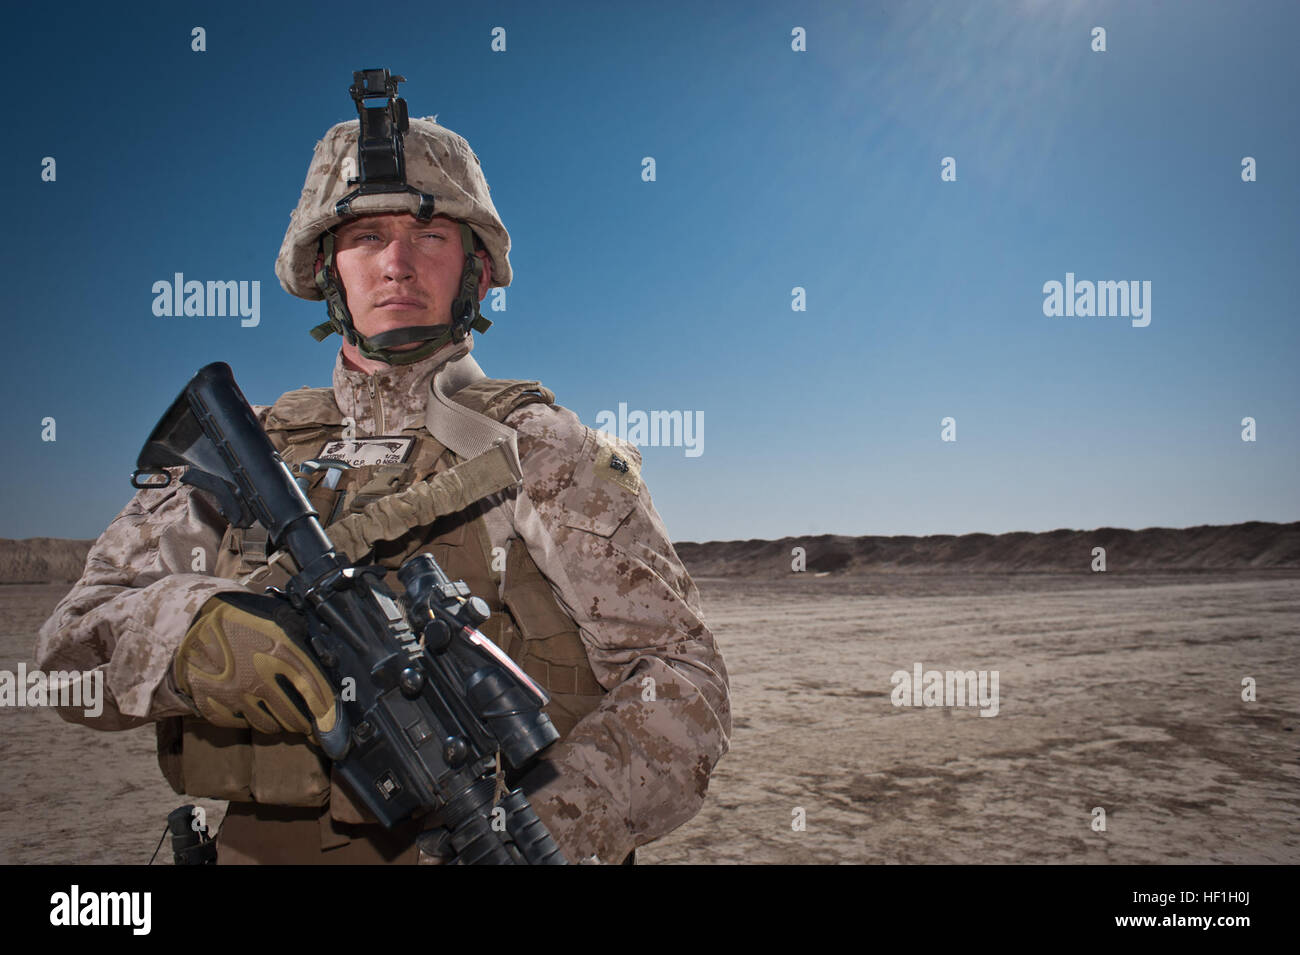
column 775, row 169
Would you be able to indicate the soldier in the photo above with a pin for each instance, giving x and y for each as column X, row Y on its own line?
column 587, row 592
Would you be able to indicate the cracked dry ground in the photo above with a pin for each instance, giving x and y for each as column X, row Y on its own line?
column 1120, row 692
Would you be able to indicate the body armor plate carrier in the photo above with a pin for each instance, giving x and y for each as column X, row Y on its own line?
column 199, row 759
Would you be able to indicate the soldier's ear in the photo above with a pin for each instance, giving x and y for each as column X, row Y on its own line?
column 485, row 280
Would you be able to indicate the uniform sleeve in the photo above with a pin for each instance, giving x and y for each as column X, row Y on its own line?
column 637, row 766
column 145, row 579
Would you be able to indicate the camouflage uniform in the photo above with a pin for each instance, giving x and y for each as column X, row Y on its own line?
column 630, row 770
column 617, row 635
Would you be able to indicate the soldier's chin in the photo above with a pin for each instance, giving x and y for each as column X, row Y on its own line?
column 449, row 351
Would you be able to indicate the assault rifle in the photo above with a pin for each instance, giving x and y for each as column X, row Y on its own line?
column 435, row 711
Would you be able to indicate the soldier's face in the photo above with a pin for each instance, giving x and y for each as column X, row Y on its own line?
column 398, row 271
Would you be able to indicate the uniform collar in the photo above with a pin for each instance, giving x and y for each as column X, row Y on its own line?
column 388, row 401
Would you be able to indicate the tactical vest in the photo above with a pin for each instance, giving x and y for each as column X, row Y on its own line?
column 200, row 759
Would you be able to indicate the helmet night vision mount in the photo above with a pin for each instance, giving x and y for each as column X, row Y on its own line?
column 380, row 156
column 381, row 173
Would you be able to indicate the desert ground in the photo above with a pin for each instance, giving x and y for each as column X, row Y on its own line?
column 1118, row 691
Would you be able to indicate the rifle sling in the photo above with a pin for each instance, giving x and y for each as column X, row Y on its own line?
column 455, row 489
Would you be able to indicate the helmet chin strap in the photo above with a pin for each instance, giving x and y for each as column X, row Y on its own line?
column 464, row 310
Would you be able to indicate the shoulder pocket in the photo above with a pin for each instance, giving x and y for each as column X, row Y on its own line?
column 606, row 485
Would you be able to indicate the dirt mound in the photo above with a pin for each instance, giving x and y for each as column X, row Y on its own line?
column 39, row 560
column 1254, row 545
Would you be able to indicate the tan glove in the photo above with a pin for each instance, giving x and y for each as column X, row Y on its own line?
column 241, row 666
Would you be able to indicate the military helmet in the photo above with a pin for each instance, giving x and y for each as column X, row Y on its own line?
column 427, row 170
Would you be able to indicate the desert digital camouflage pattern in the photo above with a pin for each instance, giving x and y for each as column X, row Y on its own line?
column 629, row 771
column 438, row 162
